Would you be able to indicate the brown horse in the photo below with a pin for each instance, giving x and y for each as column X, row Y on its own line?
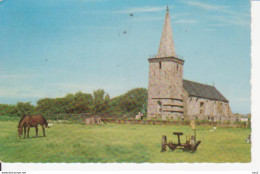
column 31, row 121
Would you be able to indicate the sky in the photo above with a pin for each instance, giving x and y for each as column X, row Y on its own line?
column 54, row 47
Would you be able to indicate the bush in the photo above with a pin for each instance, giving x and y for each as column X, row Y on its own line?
column 9, row 118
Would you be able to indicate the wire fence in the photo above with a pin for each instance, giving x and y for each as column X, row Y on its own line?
column 177, row 123
column 68, row 118
column 79, row 119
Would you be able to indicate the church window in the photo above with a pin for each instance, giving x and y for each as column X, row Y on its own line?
column 177, row 67
column 160, row 65
column 201, row 107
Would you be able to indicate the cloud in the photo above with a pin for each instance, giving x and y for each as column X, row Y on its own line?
column 112, row 89
column 233, row 20
column 185, row 21
column 218, row 8
column 241, row 100
column 179, row 15
column 147, row 19
column 74, row 87
column 208, row 29
column 82, row 0
column 177, row 18
column 51, row 90
column 141, row 9
column 1, row 3
column 206, row 6
column 22, row 92
column 17, row 76
column 226, row 14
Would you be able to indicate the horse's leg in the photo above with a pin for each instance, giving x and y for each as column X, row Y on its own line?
column 24, row 128
column 36, row 129
column 28, row 131
column 43, row 130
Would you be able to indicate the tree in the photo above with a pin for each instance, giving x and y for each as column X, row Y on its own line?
column 135, row 101
column 68, row 102
column 100, row 101
column 45, row 106
column 9, row 110
column 131, row 103
column 82, row 102
column 24, row 109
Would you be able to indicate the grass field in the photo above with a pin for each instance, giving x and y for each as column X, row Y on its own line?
column 120, row 143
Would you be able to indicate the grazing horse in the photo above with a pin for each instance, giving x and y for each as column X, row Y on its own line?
column 31, row 121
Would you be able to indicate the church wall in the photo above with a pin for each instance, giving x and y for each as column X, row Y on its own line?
column 185, row 103
column 165, row 82
column 206, row 109
column 166, row 87
column 154, row 108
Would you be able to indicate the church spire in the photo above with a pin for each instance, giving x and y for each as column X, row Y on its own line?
column 166, row 48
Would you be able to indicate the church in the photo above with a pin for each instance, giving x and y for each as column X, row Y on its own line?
column 171, row 96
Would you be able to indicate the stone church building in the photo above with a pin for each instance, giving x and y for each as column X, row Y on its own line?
column 170, row 96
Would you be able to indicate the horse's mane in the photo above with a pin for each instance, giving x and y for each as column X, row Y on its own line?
column 21, row 120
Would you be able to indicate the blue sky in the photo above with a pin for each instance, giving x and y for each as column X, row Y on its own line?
column 53, row 47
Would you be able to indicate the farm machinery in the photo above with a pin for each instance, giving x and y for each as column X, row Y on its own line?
column 190, row 144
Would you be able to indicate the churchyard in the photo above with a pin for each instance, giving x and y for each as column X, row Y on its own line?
column 113, row 142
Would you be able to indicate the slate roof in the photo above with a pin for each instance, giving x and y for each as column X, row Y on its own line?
column 201, row 90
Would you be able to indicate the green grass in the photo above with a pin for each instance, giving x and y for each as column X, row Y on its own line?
column 8, row 118
column 120, row 143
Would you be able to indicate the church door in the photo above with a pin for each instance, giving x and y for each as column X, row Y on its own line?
column 159, row 109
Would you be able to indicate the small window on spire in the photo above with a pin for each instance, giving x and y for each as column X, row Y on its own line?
column 160, row 65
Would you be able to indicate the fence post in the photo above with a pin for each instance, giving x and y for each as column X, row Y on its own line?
column 164, row 143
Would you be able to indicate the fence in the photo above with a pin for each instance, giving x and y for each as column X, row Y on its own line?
column 177, row 123
column 79, row 119
column 68, row 118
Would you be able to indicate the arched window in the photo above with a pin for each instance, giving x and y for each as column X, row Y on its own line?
column 160, row 65
column 159, row 111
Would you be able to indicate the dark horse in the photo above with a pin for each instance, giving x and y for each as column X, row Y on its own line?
column 31, row 121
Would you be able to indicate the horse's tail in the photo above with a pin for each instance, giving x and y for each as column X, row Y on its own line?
column 45, row 122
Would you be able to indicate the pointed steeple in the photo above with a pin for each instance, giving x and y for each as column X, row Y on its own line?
column 166, row 48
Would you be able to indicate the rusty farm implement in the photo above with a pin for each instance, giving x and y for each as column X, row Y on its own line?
column 190, row 145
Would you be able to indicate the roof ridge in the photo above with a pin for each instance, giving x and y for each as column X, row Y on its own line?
column 202, row 90
column 199, row 83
